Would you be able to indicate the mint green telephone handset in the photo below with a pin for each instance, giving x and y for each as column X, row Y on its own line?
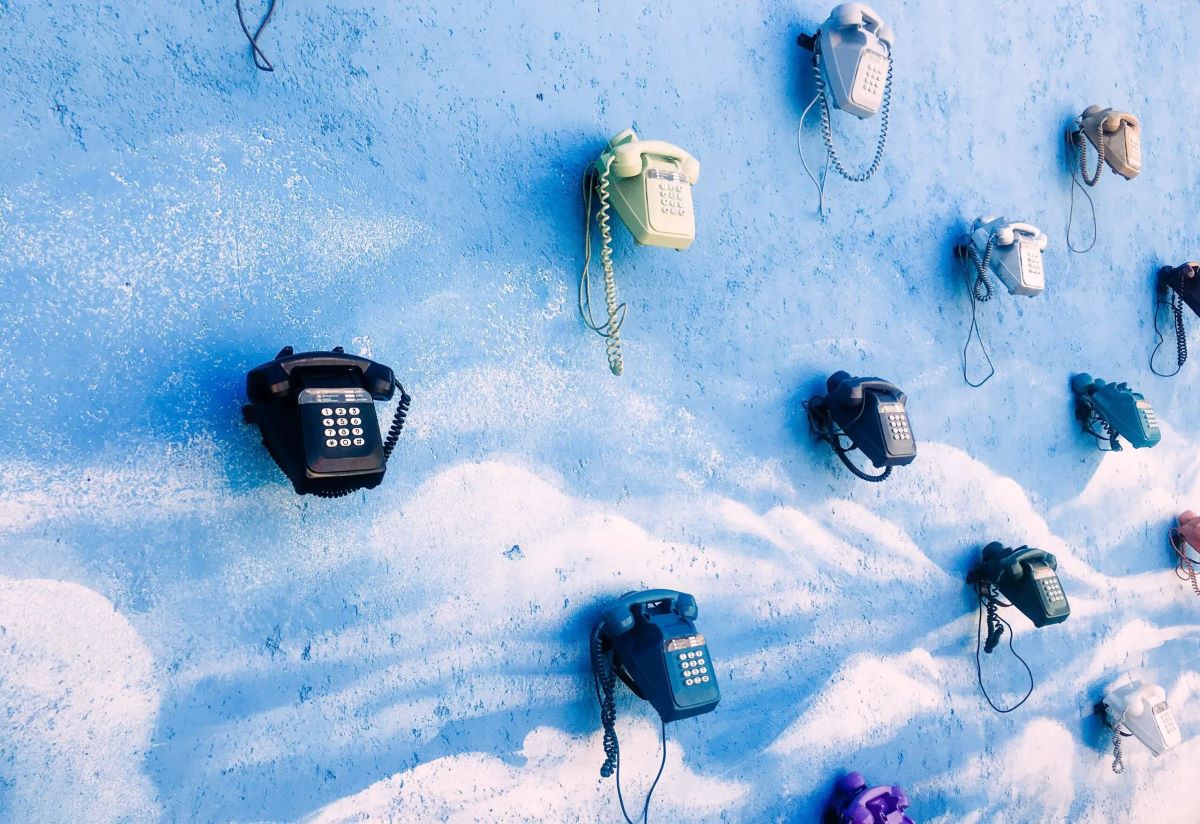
column 650, row 184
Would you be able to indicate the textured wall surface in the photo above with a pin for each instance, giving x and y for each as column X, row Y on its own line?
column 184, row 639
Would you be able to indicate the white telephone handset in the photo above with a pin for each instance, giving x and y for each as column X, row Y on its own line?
column 852, row 71
column 1142, row 709
column 1013, row 251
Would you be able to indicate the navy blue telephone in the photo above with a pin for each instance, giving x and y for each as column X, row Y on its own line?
column 316, row 411
column 1121, row 412
column 870, row 412
column 648, row 640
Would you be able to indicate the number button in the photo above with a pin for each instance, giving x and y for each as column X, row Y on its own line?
column 345, row 442
column 331, row 443
column 329, row 433
column 359, row 442
column 356, row 421
column 328, row 421
column 342, row 421
column 343, row 432
column 327, row 411
column 339, row 411
column 354, row 410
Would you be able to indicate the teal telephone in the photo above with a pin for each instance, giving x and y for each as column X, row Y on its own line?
column 852, row 70
column 650, row 184
column 1117, row 138
column 1118, row 410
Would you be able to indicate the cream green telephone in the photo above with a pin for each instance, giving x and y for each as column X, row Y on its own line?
column 650, row 183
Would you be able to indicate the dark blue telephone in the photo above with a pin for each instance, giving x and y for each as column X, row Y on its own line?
column 1028, row 578
column 316, row 411
column 649, row 641
column 1121, row 412
column 872, row 413
column 1175, row 286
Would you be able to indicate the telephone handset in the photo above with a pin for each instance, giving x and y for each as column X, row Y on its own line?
column 649, row 640
column 855, row 802
column 872, row 413
column 1117, row 138
column 1028, row 578
column 316, row 412
column 852, row 70
column 650, row 183
column 1185, row 541
column 1119, row 411
column 1176, row 286
column 1143, row 710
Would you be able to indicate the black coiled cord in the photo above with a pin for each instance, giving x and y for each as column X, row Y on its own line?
column 605, row 680
column 820, row 422
column 1181, row 350
column 397, row 426
column 988, row 602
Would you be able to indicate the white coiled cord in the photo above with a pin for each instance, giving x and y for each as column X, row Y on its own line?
column 831, row 155
column 611, row 329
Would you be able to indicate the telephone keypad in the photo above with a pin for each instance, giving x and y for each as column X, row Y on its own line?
column 1031, row 265
column 669, row 201
column 1148, row 415
column 1133, row 148
column 1053, row 590
column 899, row 427
column 870, row 80
column 330, row 431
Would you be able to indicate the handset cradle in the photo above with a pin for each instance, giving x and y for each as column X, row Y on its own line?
column 872, row 414
column 649, row 640
column 1117, row 410
column 649, row 182
column 316, row 412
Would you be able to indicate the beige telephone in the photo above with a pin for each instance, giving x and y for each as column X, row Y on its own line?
column 1117, row 138
column 650, row 183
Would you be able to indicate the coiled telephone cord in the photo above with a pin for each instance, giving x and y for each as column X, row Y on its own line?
column 610, row 330
column 988, row 602
column 1109, row 434
column 604, row 680
column 389, row 443
column 1185, row 569
column 1181, row 347
column 1118, row 763
column 982, row 280
column 831, row 154
column 1079, row 140
column 821, row 424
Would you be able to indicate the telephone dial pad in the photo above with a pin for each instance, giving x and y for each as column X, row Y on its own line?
column 690, row 667
column 1133, row 148
column 1165, row 719
column 870, row 79
column 1147, row 413
column 669, row 201
column 1031, row 264
column 344, row 420
column 1053, row 589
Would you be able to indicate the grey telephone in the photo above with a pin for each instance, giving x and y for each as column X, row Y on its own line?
column 852, row 69
column 1117, row 139
column 1143, row 710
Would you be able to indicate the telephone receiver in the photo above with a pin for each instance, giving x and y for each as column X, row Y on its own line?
column 1010, row 250
column 855, row 802
column 1028, row 578
column 651, row 184
column 1184, row 280
column 873, row 414
column 1143, row 710
column 853, row 53
column 1119, row 411
column 1175, row 286
column 316, row 412
column 1117, row 138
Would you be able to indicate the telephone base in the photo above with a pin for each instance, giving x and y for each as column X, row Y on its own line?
column 807, row 41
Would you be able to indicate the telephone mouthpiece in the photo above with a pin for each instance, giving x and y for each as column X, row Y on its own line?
column 993, row 550
column 836, row 379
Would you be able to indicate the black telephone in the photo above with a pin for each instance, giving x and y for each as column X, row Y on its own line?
column 1176, row 285
column 1028, row 578
column 649, row 640
column 1121, row 412
column 316, row 411
column 872, row 413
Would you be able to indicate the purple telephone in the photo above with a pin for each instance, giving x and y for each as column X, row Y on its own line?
column 854, row 803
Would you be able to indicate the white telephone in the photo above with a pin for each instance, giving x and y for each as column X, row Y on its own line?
column 650, row 183
column 852, row 68
column 1013, row 251
column 1142, row 709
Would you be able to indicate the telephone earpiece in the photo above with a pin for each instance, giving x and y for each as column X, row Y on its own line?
column 1005, row 236
column 627, row 160
column 848, row 14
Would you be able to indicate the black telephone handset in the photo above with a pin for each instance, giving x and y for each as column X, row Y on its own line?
column 1176, row 286
column 1028, row 578
column 873, row 414
column 649, row 640
column 316, row 411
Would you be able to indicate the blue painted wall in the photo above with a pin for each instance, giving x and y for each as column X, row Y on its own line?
column 181, row 638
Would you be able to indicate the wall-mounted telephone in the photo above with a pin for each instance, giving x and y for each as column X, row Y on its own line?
column 650, row 183
column 649, row 640
column 872, row 414
column 1185, row 541
column 316, row 411
column 854, row 802
column 1175, row 286
column 852, row 70
column 1142, row 709
column 1028, row 578
column 1117, row 138
column 1121, row 412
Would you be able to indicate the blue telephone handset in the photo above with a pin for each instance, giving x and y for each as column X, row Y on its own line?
column 649, row 640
